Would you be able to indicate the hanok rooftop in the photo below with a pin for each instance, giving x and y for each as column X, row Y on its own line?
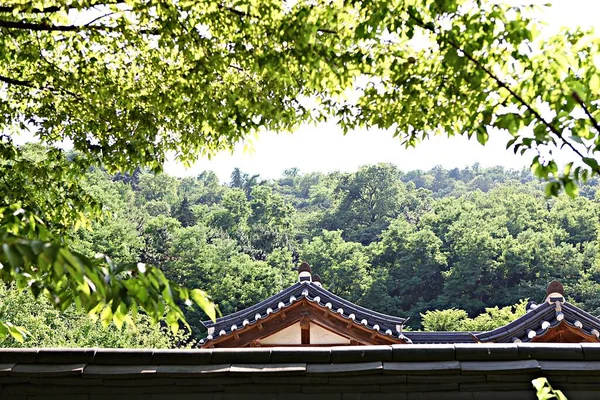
column 306, row 314
column 306, row 343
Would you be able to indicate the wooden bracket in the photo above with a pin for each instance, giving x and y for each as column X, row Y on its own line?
column 305, row 330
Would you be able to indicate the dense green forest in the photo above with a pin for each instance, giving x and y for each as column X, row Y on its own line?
column 398, row 242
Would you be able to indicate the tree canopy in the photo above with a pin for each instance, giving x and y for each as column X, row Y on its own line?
column 128, row 81
column 470, row 242
column 125, row 82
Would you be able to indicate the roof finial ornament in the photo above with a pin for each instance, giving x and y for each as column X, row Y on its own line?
column 316, row 279
column 304, row 272
column 555, row 292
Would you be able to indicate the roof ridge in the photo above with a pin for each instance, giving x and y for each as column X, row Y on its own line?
column 284, row 293
column 387, row 317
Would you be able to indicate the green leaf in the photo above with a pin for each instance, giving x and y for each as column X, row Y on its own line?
column 552, row 189
column 119, row 315
column 595, row 83
column 17, row 332
column 203, row 301
column 592, row 163
column 571, row 189
column 539, row 383
column 482, row 136
column 106, row 316
column 14, row 258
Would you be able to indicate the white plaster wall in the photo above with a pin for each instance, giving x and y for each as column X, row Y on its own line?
column 290, row 335
column 319, row 335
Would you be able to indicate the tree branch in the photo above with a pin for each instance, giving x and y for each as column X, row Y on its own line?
column 66, row 28
column 53, row 9
column 499, row 82
column 100, row 17
column 47, row 27
column 244, row 14
column 30, row 85
column 586, row 110
column 18, row 82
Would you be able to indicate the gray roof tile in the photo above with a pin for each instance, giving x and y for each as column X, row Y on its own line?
column 588, row 367
column 476, row 351
column 70, row 356
column 515, row 366
column 47, row 369
column 421, row 366
column 542, row 351
column 300, row 379
column 337, row 388
column 251, row 389
column 367, row 380
column 342, row 354
column 441, row 396
column 494, row 376
column 310, row 396
column 173, row 396
column 504, row 395
column 191, row 370
column 452, row 378
column 9, row 355
column 501, row 386
column 415, row 387
column 345, row 368
column 172, row 356
column 591, row 351
column 123, row 356
column 244, row 396
column 374, row 396
column 423, row 352
column 440, row 337
column 301, row 354
column 121, row 371
column 241, row 355
column 269, row 368
column 151, row 380
column 6, row 368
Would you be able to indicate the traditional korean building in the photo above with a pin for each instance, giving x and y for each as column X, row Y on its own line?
column 304, row 314
column 306, row 343
column 307, row 314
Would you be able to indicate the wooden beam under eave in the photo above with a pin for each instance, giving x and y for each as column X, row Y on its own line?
column 338, row 324
column 305, row 330
column 565, row 333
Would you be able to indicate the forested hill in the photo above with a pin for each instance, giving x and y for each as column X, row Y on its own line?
column 397, row 242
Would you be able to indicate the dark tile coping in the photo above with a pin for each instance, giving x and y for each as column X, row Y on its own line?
column 316, row 355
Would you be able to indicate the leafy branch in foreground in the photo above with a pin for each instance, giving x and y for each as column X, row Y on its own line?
column 48, row 326
column 128, row 82
column 99, row 286
column 545, row 390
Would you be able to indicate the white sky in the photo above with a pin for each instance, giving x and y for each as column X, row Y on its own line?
column 324, row 148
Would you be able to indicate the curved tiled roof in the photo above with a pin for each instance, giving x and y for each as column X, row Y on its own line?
column 314, row 293
column 441, row 337
column 539, row 320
